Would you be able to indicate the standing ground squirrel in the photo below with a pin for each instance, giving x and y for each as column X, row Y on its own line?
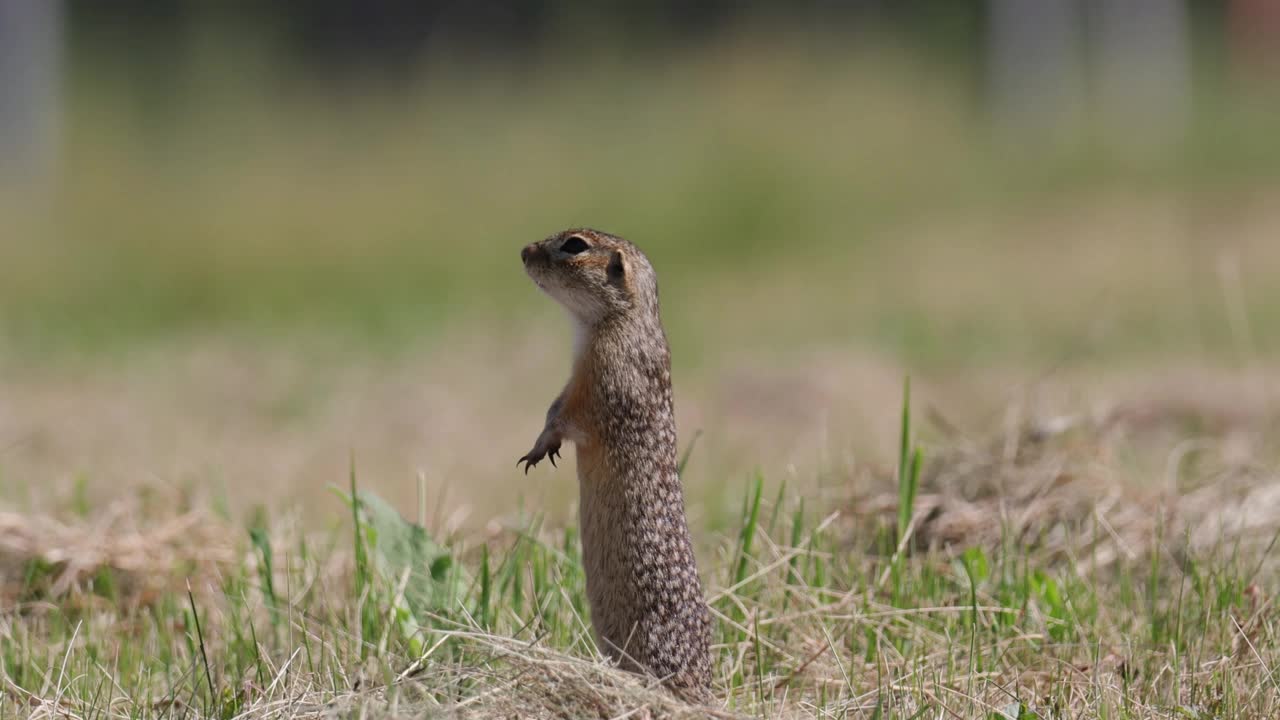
column 642, row 581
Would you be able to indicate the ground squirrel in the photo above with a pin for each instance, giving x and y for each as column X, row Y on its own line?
column 646, row 599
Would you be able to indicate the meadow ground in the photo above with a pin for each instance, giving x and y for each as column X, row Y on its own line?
column 1117, row 562
column 224, row 312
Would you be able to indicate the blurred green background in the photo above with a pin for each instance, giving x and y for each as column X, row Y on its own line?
column 949, row 185
column 371, row 169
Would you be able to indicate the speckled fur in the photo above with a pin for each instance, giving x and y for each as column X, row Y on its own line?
column 646, row 599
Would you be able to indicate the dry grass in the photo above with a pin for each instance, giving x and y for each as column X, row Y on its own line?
column 141, row 557
column 1064, row 485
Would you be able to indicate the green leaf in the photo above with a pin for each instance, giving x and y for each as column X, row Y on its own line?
column 975, row 565
column 394, row 546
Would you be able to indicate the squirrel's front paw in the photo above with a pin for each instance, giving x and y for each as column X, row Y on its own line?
column 547, row 446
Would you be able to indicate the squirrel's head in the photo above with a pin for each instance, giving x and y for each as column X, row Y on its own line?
column 593, row 274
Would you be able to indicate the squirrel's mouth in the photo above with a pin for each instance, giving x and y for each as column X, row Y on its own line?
column 534, row 270
column 533, row 275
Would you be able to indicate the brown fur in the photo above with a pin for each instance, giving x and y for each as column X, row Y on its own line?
column 647, row 606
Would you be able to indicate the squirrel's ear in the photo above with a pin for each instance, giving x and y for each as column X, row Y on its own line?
column 616, row 271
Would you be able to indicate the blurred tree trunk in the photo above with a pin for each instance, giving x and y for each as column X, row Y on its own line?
column 1253, row 35
column 30, row 51
column 1035, row 69
column 1052, row 62
column 1144, row 67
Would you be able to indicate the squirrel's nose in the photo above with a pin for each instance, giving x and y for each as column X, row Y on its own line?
column 525, row 252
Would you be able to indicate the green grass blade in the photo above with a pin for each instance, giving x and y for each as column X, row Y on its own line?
column 906, row 493
column 747, row 537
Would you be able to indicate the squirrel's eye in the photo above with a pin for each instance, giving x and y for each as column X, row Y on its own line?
column 573, row 245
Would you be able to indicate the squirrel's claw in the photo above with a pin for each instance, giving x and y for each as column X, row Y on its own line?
column 543, row 448
column 529, row 461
